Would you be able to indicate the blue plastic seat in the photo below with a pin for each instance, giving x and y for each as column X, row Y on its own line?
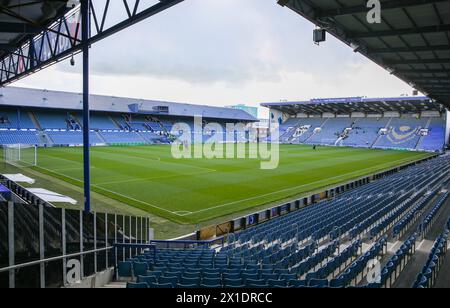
column 253, row 276
column 125, row 269
column 288, row 277
column 233, row 283
column 277, row 283
column 175, row 269
column 211, row 275
column 140, row 268
column 192, row 274
column 168, row 280
column 231, row 275
column 282, row 271
column 256, row 283
column 296, row 283
column 159, row 268
column 252, row 267
column 268, row 266
column 173, row 274
column 267, row 276
column 423, row 283
column 212, row 281
column 233, row 271
column 338, row 282
column 165, row 286
column 139, row 285
column 147, row 279
column 190, row 281
column 210, row 286
column 157, row 274
column 318, row 283
column 187, row 286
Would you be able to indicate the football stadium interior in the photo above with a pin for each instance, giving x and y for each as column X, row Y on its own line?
column 357, row 193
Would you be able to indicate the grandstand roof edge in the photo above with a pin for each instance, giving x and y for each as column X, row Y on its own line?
column 346, row 101
column 41, row 98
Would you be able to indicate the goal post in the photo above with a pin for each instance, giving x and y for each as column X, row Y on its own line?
column 20, row 155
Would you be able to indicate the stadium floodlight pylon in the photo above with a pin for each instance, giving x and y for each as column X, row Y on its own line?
column 20, row 155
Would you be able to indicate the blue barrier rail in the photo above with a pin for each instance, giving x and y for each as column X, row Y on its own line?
column 186, row 243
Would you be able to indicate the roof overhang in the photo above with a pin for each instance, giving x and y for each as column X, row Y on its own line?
column 403, row 105
column 37, row 34
column 24, row 98
column 20, row 20
column 412, row 41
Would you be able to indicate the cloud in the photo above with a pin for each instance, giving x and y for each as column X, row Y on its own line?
column 230, row 41
column 223, row 52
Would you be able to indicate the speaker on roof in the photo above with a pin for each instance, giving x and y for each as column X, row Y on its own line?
column 319, row 35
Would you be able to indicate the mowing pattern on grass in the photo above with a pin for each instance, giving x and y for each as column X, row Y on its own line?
column 194, row 190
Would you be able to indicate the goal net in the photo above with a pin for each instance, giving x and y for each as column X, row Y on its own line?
column 20, row 155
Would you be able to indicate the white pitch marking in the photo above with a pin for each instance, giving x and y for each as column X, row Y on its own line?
column 182, row 213
column 119, row 194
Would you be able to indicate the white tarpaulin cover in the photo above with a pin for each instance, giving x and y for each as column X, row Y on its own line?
column 51, row 196
column 19, row 178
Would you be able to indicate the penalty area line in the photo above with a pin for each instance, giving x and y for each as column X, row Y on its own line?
column 121, row 195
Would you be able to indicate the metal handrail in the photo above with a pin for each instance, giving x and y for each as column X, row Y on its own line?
column 37, row 262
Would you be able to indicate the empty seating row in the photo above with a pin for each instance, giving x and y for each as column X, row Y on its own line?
column 427, row 277
column 337, row 263
column 312, row 219
column 71, row 137
column 400, row 133
column 429, row 219
column 354, row 274
column 19, row 137
column 391, row 272
column 412, row 215
column 403, row 133
column 396, row 214
column 331, row 131
column 299, row 249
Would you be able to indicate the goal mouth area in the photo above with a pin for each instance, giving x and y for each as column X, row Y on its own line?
column 20, row 155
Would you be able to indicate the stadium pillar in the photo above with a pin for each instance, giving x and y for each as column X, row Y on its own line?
column 85, row 21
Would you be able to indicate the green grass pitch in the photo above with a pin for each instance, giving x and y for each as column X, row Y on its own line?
column 195, row 190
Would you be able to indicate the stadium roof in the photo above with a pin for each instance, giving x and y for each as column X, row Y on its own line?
column 37, row 34
column 22, row 97
column 20, row 20
column 412, row 41
column 358, row 104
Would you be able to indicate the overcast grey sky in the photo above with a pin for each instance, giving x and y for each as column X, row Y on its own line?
column 223, row 52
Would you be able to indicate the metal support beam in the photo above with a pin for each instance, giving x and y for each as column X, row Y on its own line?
column 418, row 61
column 386, row 5
column 435, row 86
column 422, row 71
column 64, row 37
column 41, row 246
column 408, row 49
column 431, row 79
column 412, row 30
column 64, row 245
column 85, row 21
column 11, row 246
